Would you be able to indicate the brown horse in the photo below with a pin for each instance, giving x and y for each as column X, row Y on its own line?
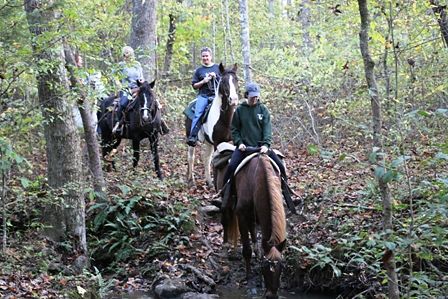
column 216, row 128
column 259, row 201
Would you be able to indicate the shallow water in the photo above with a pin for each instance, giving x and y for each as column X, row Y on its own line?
column 241, row 293
column 233, row 293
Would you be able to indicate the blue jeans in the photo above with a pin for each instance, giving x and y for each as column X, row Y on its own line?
column 124, row 101
column 201, row 104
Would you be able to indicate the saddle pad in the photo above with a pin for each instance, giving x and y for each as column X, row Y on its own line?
column 190, row 109
column 248, row 158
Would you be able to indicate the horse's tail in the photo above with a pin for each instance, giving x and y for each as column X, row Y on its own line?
column 232, row 229
column 278, row 219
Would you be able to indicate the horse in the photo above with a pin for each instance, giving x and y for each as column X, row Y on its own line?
column 259, row 201
column 216, row 128
column 142, row 121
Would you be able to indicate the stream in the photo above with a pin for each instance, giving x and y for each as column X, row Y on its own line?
column 235, row 293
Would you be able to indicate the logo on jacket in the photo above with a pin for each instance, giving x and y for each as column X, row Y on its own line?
column 260, row 116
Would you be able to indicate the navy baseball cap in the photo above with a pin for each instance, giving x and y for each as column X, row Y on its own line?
column 253, row 90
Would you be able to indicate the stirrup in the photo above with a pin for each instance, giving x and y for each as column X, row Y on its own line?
column 115, row 129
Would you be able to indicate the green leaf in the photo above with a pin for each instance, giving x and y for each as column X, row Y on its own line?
column 390, row 245
column 424, row 113
column 124, row 189
column 400, row 160
column 441, row 156
column 24, row 182
column 379, row 172
column 312, row 149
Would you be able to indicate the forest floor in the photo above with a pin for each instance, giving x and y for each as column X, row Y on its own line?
column 334, row 190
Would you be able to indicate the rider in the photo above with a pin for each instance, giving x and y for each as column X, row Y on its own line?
column 203, row 79
column 131, row 72
column 251, row 127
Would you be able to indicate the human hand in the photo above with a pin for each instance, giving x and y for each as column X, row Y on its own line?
column 207, row 78
column 212, row 74
column 264, row 149
column 242, row 147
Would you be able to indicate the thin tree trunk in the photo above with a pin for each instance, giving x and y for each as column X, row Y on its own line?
column 245, row 42
column 93, row 148
column 271, row 11
column 305, row 21
column 369, row 65
column 442, row 19
column 5, row 176
column 143, row 35
column 169, row 45
column 65, row 215
column 228, row 33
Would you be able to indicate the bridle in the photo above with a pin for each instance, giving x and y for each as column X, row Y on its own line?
column 225, row 93
column 144, row 107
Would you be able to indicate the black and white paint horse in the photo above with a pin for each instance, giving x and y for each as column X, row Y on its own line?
column 216, row 128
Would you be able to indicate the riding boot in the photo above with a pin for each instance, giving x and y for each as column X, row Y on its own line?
column 193, row 138
column 226, row 192
column 287, row 195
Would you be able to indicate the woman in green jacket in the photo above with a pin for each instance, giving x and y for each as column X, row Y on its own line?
column 252, row 132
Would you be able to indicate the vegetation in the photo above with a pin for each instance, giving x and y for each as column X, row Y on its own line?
column 306, row 56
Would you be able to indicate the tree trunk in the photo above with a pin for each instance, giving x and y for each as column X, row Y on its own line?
column 143, row 35
column 169, row 45
column 442, row 19
column 245, row 42
column 389, row 258
column 93, row 148
column 271, row 11
column 305, row 20
column 65, row 215
column 228, row 34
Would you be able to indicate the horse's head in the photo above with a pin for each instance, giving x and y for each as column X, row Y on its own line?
column 228, row 85
column 146, row 101
column 271, row 268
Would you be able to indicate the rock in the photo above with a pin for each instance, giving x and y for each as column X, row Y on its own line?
column 169, row 288
column 81, row 263
column 209, row 210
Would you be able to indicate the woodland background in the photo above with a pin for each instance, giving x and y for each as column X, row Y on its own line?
column 306, row 56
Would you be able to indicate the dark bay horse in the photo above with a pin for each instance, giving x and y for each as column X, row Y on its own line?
column 142, row 121
column 259, row 201
column 216, row 128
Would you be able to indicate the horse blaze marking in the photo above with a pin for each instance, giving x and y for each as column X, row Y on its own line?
column 145, row 105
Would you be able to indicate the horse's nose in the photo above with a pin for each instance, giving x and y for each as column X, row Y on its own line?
column 234, row 100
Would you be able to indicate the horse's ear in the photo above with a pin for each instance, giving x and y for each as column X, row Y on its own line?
column 235, row 67
column 221, row 68
column 152, row 84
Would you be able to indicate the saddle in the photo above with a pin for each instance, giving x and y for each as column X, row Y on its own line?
column 221, row 157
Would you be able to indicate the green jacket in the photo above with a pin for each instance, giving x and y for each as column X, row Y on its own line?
column 252, row 125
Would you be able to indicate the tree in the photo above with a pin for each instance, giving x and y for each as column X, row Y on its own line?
column 143, row 35
column 369, row 64
column 442, row 19
column 245, row 42
column 65, row 213
column 93, row 149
